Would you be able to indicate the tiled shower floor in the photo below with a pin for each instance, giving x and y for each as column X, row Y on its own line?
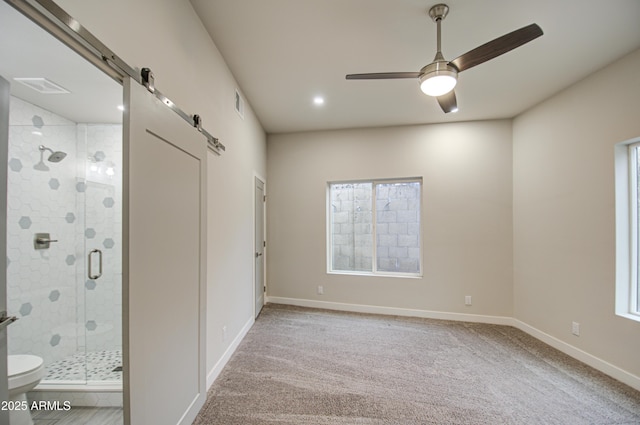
column 99, row 366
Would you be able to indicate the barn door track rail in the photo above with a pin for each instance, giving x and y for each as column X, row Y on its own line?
column 61, row 25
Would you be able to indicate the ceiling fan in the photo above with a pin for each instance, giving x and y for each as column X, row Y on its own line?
column 438, row 78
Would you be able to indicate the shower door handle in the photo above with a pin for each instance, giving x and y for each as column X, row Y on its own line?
column 90, row 268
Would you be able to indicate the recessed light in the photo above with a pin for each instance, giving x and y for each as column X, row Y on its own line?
column 121, row 107
column 318, row 100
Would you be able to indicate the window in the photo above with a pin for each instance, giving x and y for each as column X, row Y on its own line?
column 634, row 185
column 627, row 157
column 634, row 199
column 374, row 227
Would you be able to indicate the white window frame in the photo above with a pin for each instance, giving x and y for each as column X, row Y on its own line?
column 627, row 238
column 634, row 307
column 373, row 272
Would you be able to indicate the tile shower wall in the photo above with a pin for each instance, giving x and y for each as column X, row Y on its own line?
column 61, row 312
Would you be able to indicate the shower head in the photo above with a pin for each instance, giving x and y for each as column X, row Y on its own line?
column 56, row 156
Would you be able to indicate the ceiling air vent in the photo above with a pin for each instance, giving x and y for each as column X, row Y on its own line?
column 42, row 85
column 239, row 104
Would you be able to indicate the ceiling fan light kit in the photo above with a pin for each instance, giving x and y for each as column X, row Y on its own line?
column 439, row 78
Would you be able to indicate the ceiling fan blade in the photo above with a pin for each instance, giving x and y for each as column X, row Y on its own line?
column 497, row 47
column 383, row 75
column 448, row 102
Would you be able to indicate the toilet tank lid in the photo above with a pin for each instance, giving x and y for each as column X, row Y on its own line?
column 22, row 363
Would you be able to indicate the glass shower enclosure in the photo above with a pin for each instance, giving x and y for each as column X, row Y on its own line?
column 64, row 215
column 64, row 233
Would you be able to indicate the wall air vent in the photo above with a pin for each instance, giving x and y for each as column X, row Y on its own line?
column 239, row 104
column 42, row 85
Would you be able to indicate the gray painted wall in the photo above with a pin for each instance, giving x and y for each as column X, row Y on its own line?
column 466, row 214
column 564, row 212
column 190, row 70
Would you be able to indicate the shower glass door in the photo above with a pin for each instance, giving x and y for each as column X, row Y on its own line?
column 102, row 277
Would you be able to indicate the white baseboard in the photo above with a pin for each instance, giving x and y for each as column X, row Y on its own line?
column 593, row 361
column 578, row 354
column 217, row 368
column 362, row 308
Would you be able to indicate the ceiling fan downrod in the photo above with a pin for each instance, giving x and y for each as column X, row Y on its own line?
column 439, row 77
column 437, row 14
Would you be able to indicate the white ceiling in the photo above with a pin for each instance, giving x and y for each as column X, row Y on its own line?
column 26, row 50
column 285, row 52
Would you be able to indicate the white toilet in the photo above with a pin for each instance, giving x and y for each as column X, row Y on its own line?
column 24, row 372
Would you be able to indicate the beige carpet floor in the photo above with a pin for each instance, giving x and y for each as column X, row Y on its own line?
column 307, row 366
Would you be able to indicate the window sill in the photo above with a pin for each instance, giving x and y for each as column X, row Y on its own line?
column 398, row 275
column 630, row 316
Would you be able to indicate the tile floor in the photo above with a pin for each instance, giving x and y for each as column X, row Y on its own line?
column 80, row 416
column 99, row 365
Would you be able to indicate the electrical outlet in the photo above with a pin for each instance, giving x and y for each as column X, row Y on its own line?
column 575, row 328
column 467, row 300
column 320, row 290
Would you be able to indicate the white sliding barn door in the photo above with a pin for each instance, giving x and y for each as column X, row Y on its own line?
column 164, row 263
